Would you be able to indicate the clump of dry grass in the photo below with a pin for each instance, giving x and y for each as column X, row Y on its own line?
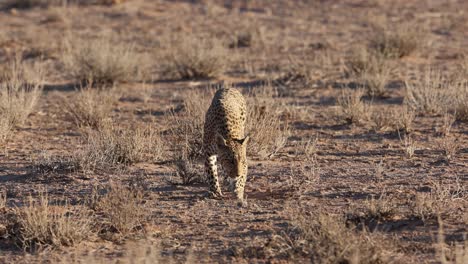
column 397, row 43
column 404, row 118
column 123, row 208
column 92, row 107
column 442, row 199
column 3, row 200
column 450, row 145
column 327, row 239
column 187, row 128
column 264, row 124
column 351, row 107
column 196, row 58
column 432, row 93
column 380, row 208
column 409, row 146
column 46, row 163
column 113, row 147
column 102, row 61
column 20, row 89
column 371, row 69
column 187, row 171
column 39, row 224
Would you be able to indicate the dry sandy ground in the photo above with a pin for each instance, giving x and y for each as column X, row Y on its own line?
column 353, row 162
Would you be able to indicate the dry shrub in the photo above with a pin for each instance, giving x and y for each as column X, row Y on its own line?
column 195, row 58
column 114, row 147
column 123, row 209
column 401, row 42
column 371, row 69
column 307, row 68
column 409, row 146
column 92, row 107
column 382, row 119
column 450, row 145
column 404, row 118
column 267, row 130
column 3, row 200
column 20, row 89
column 46, row 163
column 442, row 199
column 351, row 108
column 326, row 238
column 380, row 208
column 187, row 128
column 307, row 149
column 433, row 93
column 102, row 61
column 39, row 224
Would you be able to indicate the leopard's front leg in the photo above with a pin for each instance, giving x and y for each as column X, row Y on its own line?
column 212, row 171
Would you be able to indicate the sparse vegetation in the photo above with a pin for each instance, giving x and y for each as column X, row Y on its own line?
column 357, row 131
column 112, row 147
column 3, row 200
column 123, row 209
column 20, row 89
column 196, row 58
column 102, row 61
column 264, row 124
column 39, row 224
column 401, row 42
column 431, row 95
column 325, row 238
column 91, row 107
column 371, row 69
column 351, row 107
column 380, row 208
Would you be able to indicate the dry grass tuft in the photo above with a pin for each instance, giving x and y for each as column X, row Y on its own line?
column 102, row 61
column 46, row 163
column 20, row 89
column 195, row 58
column 3, row 200
column 92, row 107
column 380, row 208
column 404, row 118
column 265, row 125
column 187, row 129
column 450, row 145
column 114, row 147
column 433, row 93
column 351, row 108
column 371, row 69
column 327, row 239
column 443, row 199
column 398, row 43
column 39, row 224
column 123, row 209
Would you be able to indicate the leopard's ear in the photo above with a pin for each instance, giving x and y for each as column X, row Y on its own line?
column 245, row 140
column 220, row 140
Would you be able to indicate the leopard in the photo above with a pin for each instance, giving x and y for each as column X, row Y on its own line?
column 224, row 140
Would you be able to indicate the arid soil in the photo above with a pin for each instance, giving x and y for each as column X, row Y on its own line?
column 376, row 178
